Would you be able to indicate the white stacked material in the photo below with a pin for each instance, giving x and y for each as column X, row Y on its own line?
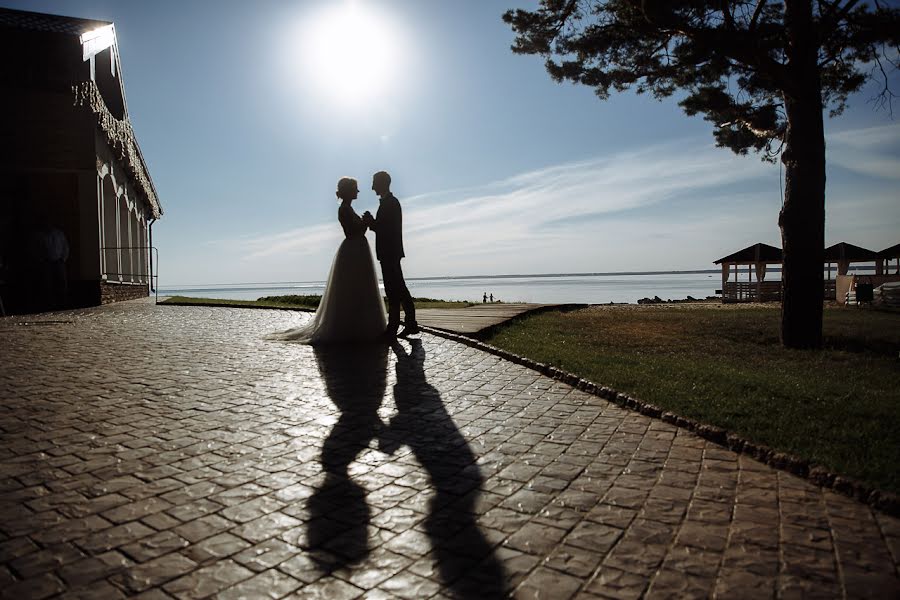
column 888, row 294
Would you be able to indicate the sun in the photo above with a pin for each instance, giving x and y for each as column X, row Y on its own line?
column 349, row 53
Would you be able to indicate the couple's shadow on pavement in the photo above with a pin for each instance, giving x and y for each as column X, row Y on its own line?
column 356, row 378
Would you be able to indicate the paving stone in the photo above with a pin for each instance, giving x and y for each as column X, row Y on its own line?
column 615, row 583
column 677, row 584
column 504, row 519
column 549, row 584
column 266, row 555
column 558, row 516
column 114, row 537
column 34, row 588
column 252, row 509
column 589, row 535
column 70, row 530
column 611, row 515
column 534, row 538
column 328, row 588
column 412, row 543
column 90, row 570
column 155, row 572
column 862, row 583
column 409, row 586
column 642, row 547
column 380, row 565
column 265, row 527
column 820, row 539
column 516, row 565
column 736, row 583
column 46, row 560
column 709, row 536
column 135, row 510
column 155, row 545
column 306, row 568
column 527, row 501
column 16, row 547
column 268, row 584
column 575, row 561
column 692, row 561
column 193, row 510
column 215, row 547
column 202, row 528
column 160, row 521
column 208, row 580
column 97, row 590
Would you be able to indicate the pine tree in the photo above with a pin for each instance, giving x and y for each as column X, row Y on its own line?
column 763, row 72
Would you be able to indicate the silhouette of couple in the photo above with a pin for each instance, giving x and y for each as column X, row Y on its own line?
column 340, row 527
column 351, row 308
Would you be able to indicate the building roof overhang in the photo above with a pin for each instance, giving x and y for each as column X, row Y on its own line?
column 95, row 36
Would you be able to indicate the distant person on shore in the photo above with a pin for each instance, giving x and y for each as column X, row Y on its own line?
column 492, row 298
column 388, row 227
column 484, row 299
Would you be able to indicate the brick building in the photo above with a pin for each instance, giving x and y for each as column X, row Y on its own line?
column 76, row 200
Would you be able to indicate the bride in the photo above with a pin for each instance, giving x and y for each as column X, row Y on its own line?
column 351, row 308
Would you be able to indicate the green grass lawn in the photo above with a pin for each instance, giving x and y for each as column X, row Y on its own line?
column 302, row 302
column 181, row 300
column 724, row 366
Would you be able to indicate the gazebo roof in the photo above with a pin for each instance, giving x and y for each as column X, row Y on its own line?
column 849, row 252
column 757, row 253
column 892, row 252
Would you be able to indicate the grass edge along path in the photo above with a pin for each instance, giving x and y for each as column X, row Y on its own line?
column 846, row 438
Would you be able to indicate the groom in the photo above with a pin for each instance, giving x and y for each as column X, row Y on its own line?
column 388, row 227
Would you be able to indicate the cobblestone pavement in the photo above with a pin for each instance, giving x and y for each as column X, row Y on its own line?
column 172, row 452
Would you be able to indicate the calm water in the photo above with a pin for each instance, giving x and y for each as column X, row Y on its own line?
column 586, row 289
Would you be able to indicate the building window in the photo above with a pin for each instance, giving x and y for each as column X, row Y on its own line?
column 110, row 230
column 127, row 271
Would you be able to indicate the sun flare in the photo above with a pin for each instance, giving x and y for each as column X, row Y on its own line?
column 349, row 53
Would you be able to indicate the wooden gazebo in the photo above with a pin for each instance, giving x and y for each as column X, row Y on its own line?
column 843, row 255
column 753, row 289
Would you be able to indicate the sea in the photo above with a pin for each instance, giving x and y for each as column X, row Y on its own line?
column 578, row 288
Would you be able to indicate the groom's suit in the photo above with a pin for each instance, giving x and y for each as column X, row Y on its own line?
column 388, row 228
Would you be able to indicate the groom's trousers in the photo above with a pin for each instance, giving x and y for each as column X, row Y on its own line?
column 397, row 294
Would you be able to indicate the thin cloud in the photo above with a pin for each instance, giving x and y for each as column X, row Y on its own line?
column 873, row 151
column 667, row 206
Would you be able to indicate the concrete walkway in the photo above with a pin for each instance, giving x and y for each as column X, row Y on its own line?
column 171, row 452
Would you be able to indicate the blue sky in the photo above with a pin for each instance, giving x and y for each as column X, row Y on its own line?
column 499, row 169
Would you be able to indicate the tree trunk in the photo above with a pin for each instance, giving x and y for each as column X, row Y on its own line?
column 802, row 218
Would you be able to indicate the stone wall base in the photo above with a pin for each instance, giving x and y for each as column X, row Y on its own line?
column 117, row 292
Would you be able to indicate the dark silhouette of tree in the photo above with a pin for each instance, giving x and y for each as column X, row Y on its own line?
column 762, row 72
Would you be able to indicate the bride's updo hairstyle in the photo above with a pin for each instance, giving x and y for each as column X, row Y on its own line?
column 345, row 187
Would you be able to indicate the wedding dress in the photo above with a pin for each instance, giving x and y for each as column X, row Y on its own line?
column 351, row 309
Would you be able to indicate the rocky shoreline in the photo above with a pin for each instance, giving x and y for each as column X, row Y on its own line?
column 658, row 300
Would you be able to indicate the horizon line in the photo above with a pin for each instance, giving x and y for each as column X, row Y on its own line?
column 500, row 276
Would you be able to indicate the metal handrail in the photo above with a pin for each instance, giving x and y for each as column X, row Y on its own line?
column 153, row 266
